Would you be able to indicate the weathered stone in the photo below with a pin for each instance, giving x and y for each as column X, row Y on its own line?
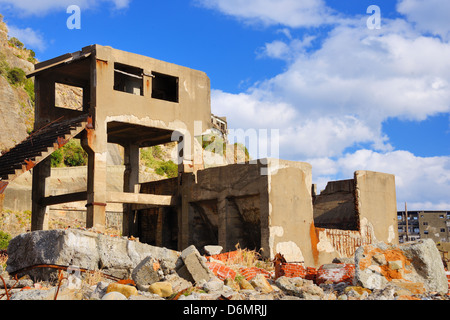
column 299, row 287
column 212, row 250
column 357, row 289
column 162, row 289
column 114, row 295
column 63, row 293
column 413, row 262
column 34, row 294
column 213, row 285
column 148, row 271
column 260, row 283
column 195, row 265
column 395, row 265
column 83, row 249
column 232, row 284
column 126, row 290
column 178, row 283
column 99, row 291
column 245, row 285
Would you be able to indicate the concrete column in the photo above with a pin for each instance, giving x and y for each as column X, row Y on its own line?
column 96, row 179
column 222, row 207
column 265, row 212
column 183, row 210
column 96, row 193
column 130, row 183
column 40, row 173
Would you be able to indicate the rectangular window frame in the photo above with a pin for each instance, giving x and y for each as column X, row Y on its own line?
column 128, row 79
column 165, row 87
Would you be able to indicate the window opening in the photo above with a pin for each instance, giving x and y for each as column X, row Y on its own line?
column 164, row 87
column 128, row 79
column 68, row 97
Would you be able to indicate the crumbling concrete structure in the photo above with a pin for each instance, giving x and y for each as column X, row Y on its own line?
column 136, row 101
column 277, row 212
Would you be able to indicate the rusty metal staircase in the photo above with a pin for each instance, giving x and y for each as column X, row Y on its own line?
column 38, row 146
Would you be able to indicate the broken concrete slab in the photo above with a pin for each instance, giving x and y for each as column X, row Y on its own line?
column 195, row 268
column 115, row 256
column 299, row 287
column 147, row 272
column 212, row 250
column 414, row 262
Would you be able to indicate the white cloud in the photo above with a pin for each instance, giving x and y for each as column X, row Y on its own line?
column 292, row 13
column 279, row 49
column 29, row 37
column 424, row 182
column 42, row 7
column 338, row 95
column 428, row 15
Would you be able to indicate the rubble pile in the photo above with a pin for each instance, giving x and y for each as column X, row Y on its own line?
column 83, row 265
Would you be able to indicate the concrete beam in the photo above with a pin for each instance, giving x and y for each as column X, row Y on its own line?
column 64, row 198
column 140, row 198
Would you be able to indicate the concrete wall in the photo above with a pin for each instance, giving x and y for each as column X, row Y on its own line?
column 377, row 204
column 290, row 210
column 374, row 209
column 335, row 206
column 227, row 199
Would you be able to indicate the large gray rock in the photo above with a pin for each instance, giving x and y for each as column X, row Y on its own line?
column 416, row 262
column 83, row 249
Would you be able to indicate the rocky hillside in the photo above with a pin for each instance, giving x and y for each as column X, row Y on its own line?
column 16, row 92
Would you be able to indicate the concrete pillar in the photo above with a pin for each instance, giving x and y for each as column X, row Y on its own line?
column 96, row 179
column 40, row 173
column 183, row 210
column 130, row 184
column 222, row 208
column 96, row 192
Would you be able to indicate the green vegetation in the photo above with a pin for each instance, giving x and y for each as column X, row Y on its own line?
column 213, row 143
column 152, row 157
column 70, row 155
column 14, row 42
column 169, row 168
column 4, row 240
column 16, row 77
column 216, row 144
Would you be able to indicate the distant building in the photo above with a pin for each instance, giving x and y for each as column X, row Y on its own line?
column 424, row 224
column 219, row 125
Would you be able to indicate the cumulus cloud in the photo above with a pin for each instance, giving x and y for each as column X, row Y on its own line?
column 336, row 96
column 42, row 7
column 428, row 15
column 30, row 37
column 279, row 49
column 292, row 13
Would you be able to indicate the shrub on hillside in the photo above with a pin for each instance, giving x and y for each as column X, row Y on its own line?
column 16, row 76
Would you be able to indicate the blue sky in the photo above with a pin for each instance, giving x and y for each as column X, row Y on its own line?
column 344, row 97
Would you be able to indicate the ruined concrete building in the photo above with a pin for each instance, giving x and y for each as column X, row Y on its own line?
column 136, row 101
